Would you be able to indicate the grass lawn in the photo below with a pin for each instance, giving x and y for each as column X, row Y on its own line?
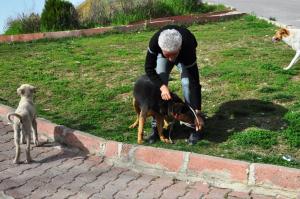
column 86, row 83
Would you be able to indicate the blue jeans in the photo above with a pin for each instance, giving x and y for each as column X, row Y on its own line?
column 190, row 87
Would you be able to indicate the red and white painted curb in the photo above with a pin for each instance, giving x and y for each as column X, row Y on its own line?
column 221, row 172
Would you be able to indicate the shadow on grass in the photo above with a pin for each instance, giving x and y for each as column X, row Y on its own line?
column 236, row 116
column 3, row 101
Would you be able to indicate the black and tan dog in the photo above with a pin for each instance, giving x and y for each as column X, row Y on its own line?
column 147, row 102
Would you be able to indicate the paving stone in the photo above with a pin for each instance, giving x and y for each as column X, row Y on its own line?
column 196, row 190
column 99, row 185
column 236, row 195
column 259, row 196
column 217, row 193
column 176, row 190
column 135, row 187
column 61, row 193
column 120, row 183
column 156, row 188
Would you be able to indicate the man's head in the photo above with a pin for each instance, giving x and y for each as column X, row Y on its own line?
column 170, row 41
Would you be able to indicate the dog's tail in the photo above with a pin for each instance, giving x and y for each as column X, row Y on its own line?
column 15, row 115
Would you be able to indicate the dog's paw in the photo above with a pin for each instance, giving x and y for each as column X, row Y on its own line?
column 140, row 141
column 28, row 161
column 36, row 143
column 165, row 140
column 16, row 161
column 132, row 126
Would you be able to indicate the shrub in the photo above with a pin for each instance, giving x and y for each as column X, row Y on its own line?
column 103, row 12
column 93, row 12
column 147, row 10
column 23, row 24
column 59, row 15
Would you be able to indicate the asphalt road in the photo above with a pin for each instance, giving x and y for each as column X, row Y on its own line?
column 285, row 12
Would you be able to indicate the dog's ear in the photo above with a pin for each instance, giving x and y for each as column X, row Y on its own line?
column 34, row 89
column 184, row 109
column 20, row 91
column 175, row 98
column 163, row 107
column 180, row 108
column 284, row 32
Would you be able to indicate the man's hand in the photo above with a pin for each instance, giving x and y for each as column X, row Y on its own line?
column 165, row 93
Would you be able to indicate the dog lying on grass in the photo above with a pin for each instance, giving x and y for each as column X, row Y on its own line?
column 24, row 121
column 147, row 102
column 292, row 38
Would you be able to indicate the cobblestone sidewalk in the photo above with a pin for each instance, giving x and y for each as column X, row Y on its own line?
column 59, row 172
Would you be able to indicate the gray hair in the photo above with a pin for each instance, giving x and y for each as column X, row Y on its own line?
column 170, row 40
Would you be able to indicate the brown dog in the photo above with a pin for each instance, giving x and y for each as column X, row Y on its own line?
column 148, row 102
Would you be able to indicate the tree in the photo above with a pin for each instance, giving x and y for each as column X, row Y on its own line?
column 59, row 15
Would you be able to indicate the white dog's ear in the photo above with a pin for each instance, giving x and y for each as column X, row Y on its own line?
column 20, row 91
column 34, row 89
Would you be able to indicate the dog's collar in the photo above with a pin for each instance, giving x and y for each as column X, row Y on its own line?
column 187, row 124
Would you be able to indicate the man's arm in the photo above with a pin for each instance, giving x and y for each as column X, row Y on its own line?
column 195, row 90
column 150, row 66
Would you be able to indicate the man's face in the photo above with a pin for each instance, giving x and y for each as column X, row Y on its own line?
column 171, row 56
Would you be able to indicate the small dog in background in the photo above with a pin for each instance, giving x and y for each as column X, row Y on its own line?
column 292, row 38
column 24, row 121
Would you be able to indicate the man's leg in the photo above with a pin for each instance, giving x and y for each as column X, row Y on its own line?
column 163, row 69
column 191, row 92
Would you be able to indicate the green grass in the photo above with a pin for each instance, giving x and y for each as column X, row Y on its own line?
column 86, row 83
column 163, row 8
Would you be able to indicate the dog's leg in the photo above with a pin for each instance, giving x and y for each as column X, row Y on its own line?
column 166, row 124
column 137, row 110
column 34, row 130
column 160, row 124
column 27, row 149
column 294, row 60
column 17, row 131
column 142, row 120
column 171, row 124
column 22, row 137
column 135, row 124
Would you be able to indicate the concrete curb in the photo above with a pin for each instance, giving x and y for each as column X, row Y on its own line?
column 186, row 20
column 221, row 172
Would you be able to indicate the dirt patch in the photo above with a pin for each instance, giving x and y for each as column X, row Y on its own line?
column 296, row 78
column 182, row 18
column 124, row 96
column 186, row 19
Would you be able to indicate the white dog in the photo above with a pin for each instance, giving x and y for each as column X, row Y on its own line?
column 292, row 38
column 24, row 121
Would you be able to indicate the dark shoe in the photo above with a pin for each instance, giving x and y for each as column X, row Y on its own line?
column 194, row 137
column 154, row 136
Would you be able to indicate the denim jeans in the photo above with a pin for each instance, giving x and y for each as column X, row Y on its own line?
column 163, row 69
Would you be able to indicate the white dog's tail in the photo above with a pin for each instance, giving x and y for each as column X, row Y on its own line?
column 15, row 115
